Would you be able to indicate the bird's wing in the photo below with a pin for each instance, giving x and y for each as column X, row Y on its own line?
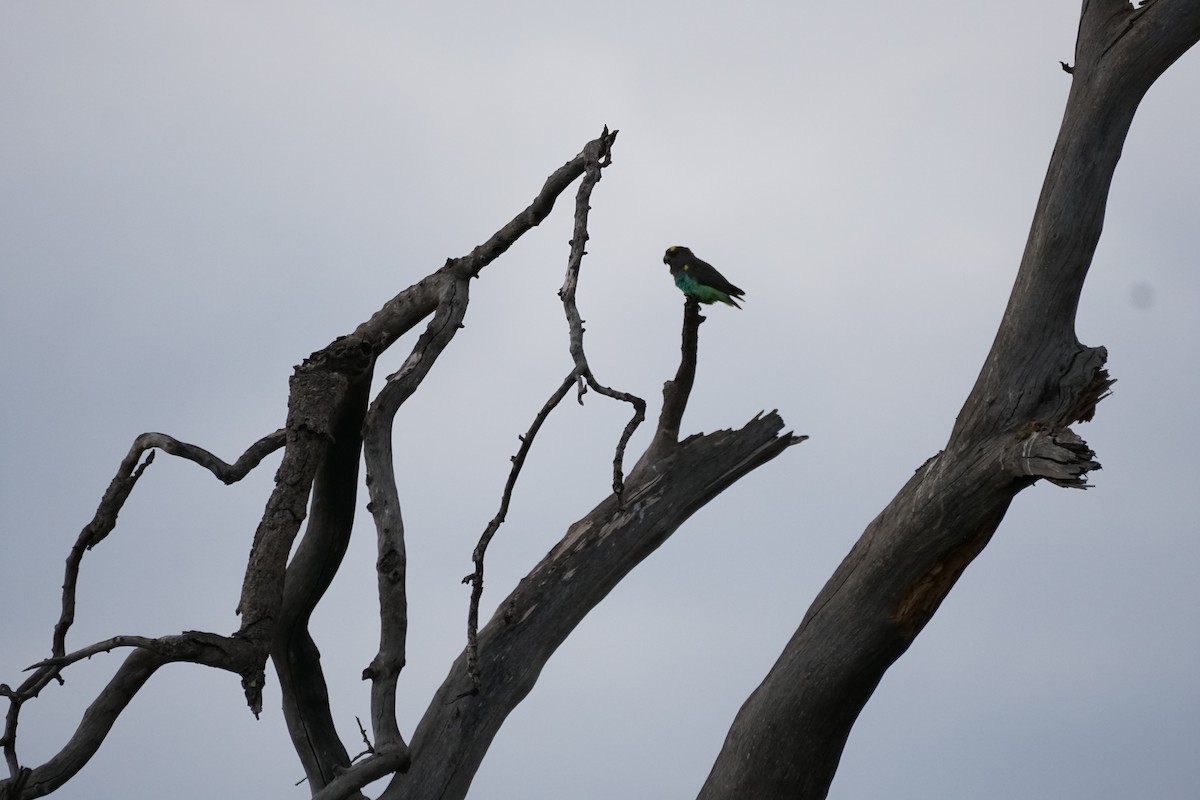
column 707, row 274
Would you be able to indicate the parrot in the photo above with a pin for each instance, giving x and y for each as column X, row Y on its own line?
column 699, row 279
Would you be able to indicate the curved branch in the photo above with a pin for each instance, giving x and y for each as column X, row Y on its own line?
column 447, row 291
column 197, row 647
column 226, row 473
column 316, row 392
column 595, row 153
column 638, row 417
column 94, row 532
column 676, row 392
column 317, row 559
column 94, row 727
column 404, row 311
column 372, row 768
column 601, row 157
column 105, row 519
column 384, row 505
column 103, row 523
column 598, row 155
column 475, row 579
column 106, row 646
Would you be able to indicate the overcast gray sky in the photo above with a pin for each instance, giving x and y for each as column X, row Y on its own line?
column 193, row 197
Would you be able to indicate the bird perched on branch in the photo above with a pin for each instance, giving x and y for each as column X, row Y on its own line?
column 699, row 279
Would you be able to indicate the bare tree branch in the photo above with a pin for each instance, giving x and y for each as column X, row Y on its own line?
column 579, row 239
column 118, row 491
column 677, row 391
column 450, row 287
column 106, row 646
column 198, row 647
column 372, row 768
column 317, row 390
column 475, row 579
column 94, row 532
column 596, row 553
column 446, row 292
column 93, row 728
column 1013, row 429
column 317, row 559
column 384, row 505
column 599, row 154
column 329, row 424
column 226, row 473
column 669, row 483
column 375, row 766
column 102, row 523
column 319, row 405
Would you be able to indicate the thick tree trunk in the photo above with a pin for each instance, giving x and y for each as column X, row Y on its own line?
column 788, row 737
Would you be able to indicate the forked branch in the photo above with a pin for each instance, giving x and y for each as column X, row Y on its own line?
column 448, row 291
column 28, row 781
column 671, row 481
column 599, row 155
column 128, row 473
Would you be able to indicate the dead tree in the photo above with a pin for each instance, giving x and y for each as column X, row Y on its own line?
column 332, row 423
column 1013, row 430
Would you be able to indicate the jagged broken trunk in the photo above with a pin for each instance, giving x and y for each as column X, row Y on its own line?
column 1013, row 430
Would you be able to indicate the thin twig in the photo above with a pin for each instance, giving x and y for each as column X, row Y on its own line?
column 371, row 768
column 639, row 416
column 370, row 748
column 95, row 531
column 599, row 155
column 579, row 240
column 107, row 646
column 447, row 292
column 476, row 577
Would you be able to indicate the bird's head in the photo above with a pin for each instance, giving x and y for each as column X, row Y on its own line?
column 677, row 255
